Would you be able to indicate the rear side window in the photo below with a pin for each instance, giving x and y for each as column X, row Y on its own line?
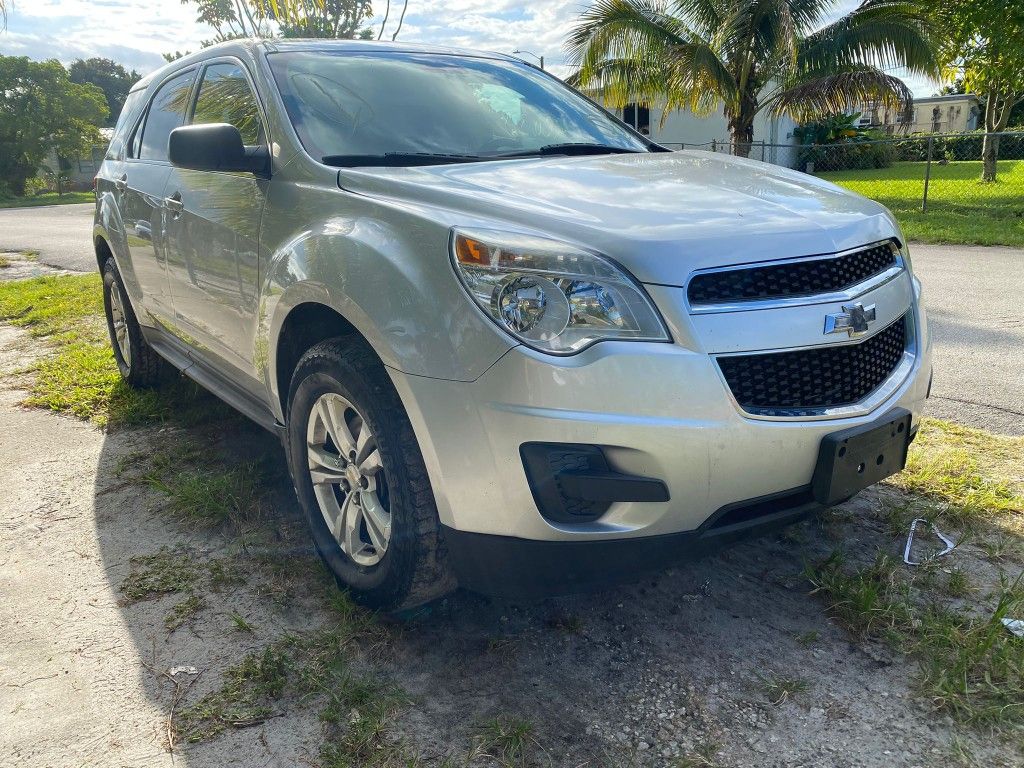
column 226, row 97
column 125, row 121
column 166, row 112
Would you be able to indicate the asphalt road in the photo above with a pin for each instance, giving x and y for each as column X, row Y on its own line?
column 974, row 297
column 62, row 234
column 975, row 302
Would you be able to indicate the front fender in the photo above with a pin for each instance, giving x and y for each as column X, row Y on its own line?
column 393, row 283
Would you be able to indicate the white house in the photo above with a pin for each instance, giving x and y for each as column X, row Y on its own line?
column 681, row 129
column 955, row 113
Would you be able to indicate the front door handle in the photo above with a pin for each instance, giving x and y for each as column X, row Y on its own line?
column 174, row 204
column 121, row 184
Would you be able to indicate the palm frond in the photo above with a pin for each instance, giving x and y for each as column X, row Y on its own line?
column 634, row 49
column 840, row 92
column 610, row 28
column 883, row 33
column 618, row 82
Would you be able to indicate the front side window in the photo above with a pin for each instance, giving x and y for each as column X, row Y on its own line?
column 226, row 97
column 354, row 104
column 166, row 112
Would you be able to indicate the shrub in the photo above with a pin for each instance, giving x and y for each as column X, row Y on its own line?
column 853, row 155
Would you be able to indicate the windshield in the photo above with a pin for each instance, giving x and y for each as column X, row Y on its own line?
column 347, row 106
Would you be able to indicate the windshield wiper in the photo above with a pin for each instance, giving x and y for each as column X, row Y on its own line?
column 572, row 148
column 397, row 159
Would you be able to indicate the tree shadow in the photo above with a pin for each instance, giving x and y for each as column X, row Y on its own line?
column 643, row 672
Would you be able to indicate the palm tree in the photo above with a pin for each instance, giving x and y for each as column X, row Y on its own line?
column 751, row 55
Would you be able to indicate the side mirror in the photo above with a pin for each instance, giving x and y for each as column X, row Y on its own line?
column 216, row 147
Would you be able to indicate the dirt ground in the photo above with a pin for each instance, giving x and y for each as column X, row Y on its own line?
column 672, row 671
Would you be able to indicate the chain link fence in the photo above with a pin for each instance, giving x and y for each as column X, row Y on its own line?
column 966, row 187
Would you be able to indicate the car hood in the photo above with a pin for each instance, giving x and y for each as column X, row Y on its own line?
column 662, row 215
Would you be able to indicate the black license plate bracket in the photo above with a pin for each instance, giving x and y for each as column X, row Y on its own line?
column 853, row 459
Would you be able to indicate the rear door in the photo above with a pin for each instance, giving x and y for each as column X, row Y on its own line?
column 141, row 182
column 213, row 236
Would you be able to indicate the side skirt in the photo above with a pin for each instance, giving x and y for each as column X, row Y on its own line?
column 175, row 353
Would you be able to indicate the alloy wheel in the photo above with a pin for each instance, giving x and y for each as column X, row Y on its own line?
column 120, row 323
column 348, row 479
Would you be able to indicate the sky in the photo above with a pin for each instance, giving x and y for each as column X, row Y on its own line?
column 136, row 32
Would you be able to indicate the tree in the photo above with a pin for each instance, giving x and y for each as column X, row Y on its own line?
column 110, row 77
column 233, row 19
column 751, row 55
column 983, row 48
column 328, row 19
column 42, row 111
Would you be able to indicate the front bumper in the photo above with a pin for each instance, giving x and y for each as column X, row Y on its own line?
column 516, row 568
column 656, row 410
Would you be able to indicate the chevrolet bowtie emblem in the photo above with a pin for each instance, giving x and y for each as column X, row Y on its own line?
column 854, row 320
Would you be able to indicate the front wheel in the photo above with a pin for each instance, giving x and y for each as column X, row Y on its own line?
column 360, row 478
column 139, row 365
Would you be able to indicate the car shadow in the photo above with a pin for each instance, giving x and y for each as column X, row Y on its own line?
column 673, row 664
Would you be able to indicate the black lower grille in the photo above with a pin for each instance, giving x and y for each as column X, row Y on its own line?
column 802, row 382
column 796, row 278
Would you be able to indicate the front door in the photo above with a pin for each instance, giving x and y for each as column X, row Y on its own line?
column 142, row 178
column 213, row 234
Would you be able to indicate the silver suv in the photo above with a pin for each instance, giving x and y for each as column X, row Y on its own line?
column 507, row 341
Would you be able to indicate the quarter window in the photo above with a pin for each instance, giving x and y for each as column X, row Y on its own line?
column 129, row 112
column 225, row 97
column 166, row 112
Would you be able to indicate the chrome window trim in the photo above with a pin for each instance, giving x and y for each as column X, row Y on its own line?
column 848, row 294
column 872, row 402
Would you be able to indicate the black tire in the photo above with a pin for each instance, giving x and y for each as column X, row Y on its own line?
column 141, row 367
column 413, row 568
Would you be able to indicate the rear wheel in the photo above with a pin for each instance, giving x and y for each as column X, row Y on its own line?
column 139, row 365
column 360, row 478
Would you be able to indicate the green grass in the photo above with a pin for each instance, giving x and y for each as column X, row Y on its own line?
column 78, row 376
column 961, row 208
column 212, row 494
column 47, row 198
column 971, row 478
column 246, row 697
column 356, row 707
column 972, row 484
column 970, row 667
column 184, row 612
column 163, row 573
column 505, row 739
column 781, row 689
column 240, row 624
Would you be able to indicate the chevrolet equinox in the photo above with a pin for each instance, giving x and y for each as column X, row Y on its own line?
column 506, row 340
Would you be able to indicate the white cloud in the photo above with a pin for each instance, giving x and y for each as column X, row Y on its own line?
column 137, row 32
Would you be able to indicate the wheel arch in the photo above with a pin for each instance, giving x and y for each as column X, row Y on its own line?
column 103, row 251
column 304, row 325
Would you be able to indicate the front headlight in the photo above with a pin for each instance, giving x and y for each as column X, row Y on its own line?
column 905, row 254
column 552, row 296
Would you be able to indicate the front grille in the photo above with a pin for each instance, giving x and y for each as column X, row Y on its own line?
column 797, row 278
column 803, row 382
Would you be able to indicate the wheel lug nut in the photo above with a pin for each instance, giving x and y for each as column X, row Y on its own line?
column 364, row 483
column 352, row 455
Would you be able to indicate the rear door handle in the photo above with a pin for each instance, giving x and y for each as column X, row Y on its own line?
column 121, row 184
column 174, row 204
